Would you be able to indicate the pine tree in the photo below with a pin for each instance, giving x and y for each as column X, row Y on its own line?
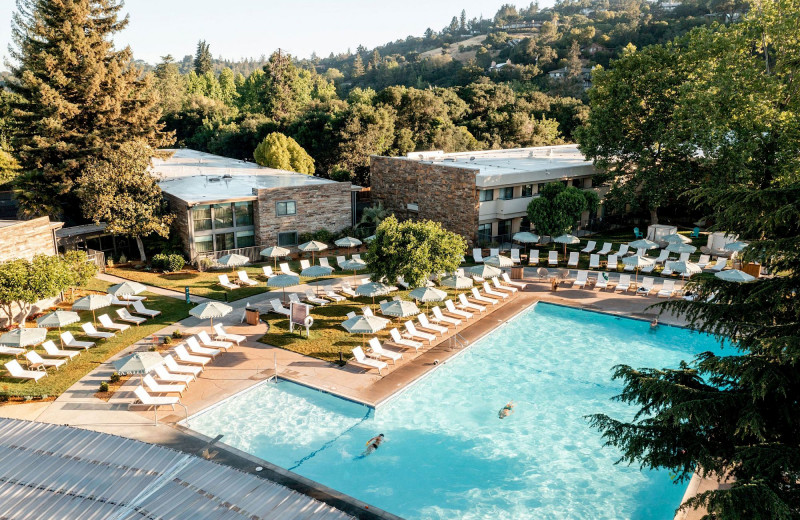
column 170, row 85
column 202, row 58
column 358, row 66
column 79, row 97
column 462, row 21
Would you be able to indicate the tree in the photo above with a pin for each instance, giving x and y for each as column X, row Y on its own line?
column 373, row 216
column 203, row 62
column 287, row 89
column 170, row 85
column 365, row 130
column 72, row 109
column 24, row 282
column 282, row 152
column 414, row 250
column 358, row 66
column 119, row 190
column 79, row 266
column 558, row 208
column 462, row 21
column 9, row 167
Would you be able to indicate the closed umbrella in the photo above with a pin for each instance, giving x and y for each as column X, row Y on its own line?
column 483, row 271
column 210, row 310
column 399, row 309
column 312, row 246
column 58, row 319
column 233, row 261
column 457, row 282
column 92, row 302
column 567, row 239
column 676, row 238
column 353, row 265
column 681, row 248
column 372, row 290
column 283, row 281
column 126, row 289
column 498, row 261
column 637, row 261
column 731, row 275
column 275, row 252
column 23, row 337
column 363, row 325
column 643, row 243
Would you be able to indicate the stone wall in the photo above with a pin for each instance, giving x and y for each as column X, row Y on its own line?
column 322, row 206
column 27, row 238
column 442, row 193
column 180, row 224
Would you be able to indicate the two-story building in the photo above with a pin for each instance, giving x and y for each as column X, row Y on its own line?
column 482, row 195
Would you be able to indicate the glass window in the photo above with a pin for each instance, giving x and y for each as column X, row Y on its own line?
column 527, row 190
column 288, row 238
column 504, row 227
column 484, row 233
column 485, row 195
column 223, row 216
column 243, row 212
column 245, row 239
column 201, row 217
column 224, row 241
column 204, row 244
column 525, row 224
column 506, row 193
column 540, row 187
column 286, row 207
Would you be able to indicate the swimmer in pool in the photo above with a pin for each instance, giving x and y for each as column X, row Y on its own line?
column 373, row 444
column 506, row 410
column 654, row 323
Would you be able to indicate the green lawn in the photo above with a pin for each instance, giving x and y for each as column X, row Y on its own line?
column 56, row 382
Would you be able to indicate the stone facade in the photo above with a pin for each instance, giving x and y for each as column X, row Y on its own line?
column 441, row 193
column 181, row 222
column 27, row 238
column 322, row 206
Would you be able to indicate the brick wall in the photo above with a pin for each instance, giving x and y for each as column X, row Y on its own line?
column 26, row 239
column 443, row 193
column 323, row 206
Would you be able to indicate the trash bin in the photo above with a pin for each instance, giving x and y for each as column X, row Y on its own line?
column 517, row 273
column 251, row 316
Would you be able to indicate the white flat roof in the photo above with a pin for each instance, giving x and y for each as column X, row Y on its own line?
column 200, row 178
column 515, row 165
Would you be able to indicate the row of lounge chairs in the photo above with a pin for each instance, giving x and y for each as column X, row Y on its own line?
column 243, row 280
column 666, row 290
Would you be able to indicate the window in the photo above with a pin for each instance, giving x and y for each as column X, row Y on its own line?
column 540, row 187
column 485, row 195
column 224, row 241
column 204, row 244
column 506, row 193
column 504, row 227
column 245, row 239
column 527, row 190
column 201, row 218
column 223, row 216
column 287, row 239
column 525, row 224
column 286, row 207
column 243, row 213
column 484, row 233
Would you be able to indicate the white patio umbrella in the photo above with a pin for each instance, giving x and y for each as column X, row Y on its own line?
column 567, row 239
column 643, row 243
column 731, row 275
column 92, row 302
column 681, row 248
column 399, row 308
column 637, row 261
column 373, row 289
column 210, row 310
column 316, row 271
column 58, row 319
column 314, row 247
column 138, row 363
column 275, row 252
column 353, row 265
column 363, row 325
column 369, row 239
column 24, row 337
column 676, row 238
column 526, row 237
column 126, row 289
column 498, row 261
column 428, row 294
column 483, row 271
column 685, row 268
column 348, row 242
column 735, row 246
column 457, row 282
column 233, row 261
column 283, row 281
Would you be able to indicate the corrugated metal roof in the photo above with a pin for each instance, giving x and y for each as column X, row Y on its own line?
column 58, row 472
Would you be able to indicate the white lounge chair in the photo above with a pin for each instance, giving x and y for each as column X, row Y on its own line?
column 606, row 248
column 602, row 281
column 424, row 323
column 132, row 297
column 451, row 309
column 466, row 304
column 243, row 278
column 629, row 267
column 293, row 298
column 439, row 317
column 89, row 330
column 662, row 257
column 684, row 257
column 335, row 297
column 641, row 252
column 340, row 260
column 323, row 261
column 304, row 264
column 121, row 303
column 164, row 375
column 278, row 308
column 624, row 283
column 573, row 259
column 496, row 284
column 143, row 398
column 175, row 368
column 515, row 256
column 267, row 271
column 17, row 372
column 36, row 361
column 366, row 311
column 362, row 359
column 594, row 261
column 70, row 341
column 667, row 271
column 613, row 262
column 357, row 257
column 493, row 251
column 412, row 332
column 397, row 339
column 481, row 298
column 347, row 289
column 580, row 281
column 552, row 258
column 195, row 348
column 311, row 298
column 509, row 281
column 54, row 351
column 402, row 282
column 223, row 339
column 533, row 257
column 590, row 246
column 160, row 388
column 351, row 314
column 487, row 289
column 623, row 250
column 124, row 315
column 285, row 269
column 667, row 290
column 377, row 349
column 106, row 323
column 648, row 268
column 647, row 285
column 477, row 255
column 184, row 357
column 11, row 351
column 226, row 283
column 719, row 265
column 703, row 261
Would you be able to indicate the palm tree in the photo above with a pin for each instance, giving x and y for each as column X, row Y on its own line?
column 373, row 216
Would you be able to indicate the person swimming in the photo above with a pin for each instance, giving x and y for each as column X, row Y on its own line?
column 654, row 323
column 506, row 410
column 373, row 444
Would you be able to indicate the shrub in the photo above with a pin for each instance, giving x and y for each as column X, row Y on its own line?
column 204, row 264
column 168, row 263
column 123, row 259
column 110, row 261
column 104, row 386
column 114, row 377
column 167, row 340
column 176, row 334
column 323, row 235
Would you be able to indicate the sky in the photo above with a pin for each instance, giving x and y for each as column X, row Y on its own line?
column 249, row 28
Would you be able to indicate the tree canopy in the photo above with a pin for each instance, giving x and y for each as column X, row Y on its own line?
column 558, row 208
column 25, row 282
column 283, row 153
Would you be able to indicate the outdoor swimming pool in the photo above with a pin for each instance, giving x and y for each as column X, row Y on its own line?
column 448, row 455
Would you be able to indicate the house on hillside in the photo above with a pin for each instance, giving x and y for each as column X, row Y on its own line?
column 593, row 49
column 494, row 67
column 562, row 73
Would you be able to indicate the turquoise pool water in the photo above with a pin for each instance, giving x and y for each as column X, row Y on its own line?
column 447, row 455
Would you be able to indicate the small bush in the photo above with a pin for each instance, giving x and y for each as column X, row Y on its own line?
column 152, row 348
column 168, row 263
column 104, row 386
column 114, row 377
column 167, row 340
column 110, row 261
column 204, row 264
column 176, row 334
column 123, row 259
column 323, row 235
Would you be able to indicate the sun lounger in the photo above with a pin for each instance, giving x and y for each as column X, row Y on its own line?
column 477, row 255
column 267, row 271
column 340, row 260
column 684, row 257
column 36, row 361
column 509, row 281
column 357, row 257
column 496, row 284
column 439, row 317
column 533, row 257
column 175, row 368
column 195, row 348
column 70, row 341
column 412, row 332
column 124, row 315
column 139, row 308
column 335, row 297
column 278, row 308
column 362, row 359
column 648, row 268
column 451, row 309
column 366, row 311
column 223, row 344
column 515, row 256
column 624, row 283
column 580, row 281
column 11, row 351
column 397, row 339
column 602, row 281
column 402, row 282
column 623, row 250
column 424, row 323
column 573, row 259
column 613, row 262
column 487, row 289
column 590, row 246
column 466, row 304
column 53, row 351
column 17, row 372
column 719, row 265
column 629, row 268
column 594, row 261
column 377, row 349
column 641, row 252
column 121, row 303
column 323, row 261
column 704, row 261
column 132, row 297
column 304, row 264
column 243, row 278
column 285, row 269
column 606, row 248
column 667, row 290
column 164, row 375
column 293, row 298
column 647, row 285
column 494, row 251
column 143, row 398
column 106, row 323
column 662, row 257
column 159, row 388
column 667, row 271
column 90, row 331
column 184, row 356
column 222, row 335
column 310, row 298
column 480, row 298
column 347, row 289
column 226, row 283
column 552, row 258
column 351, row 314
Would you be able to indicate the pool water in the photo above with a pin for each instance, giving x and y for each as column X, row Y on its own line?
column 447, row 454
